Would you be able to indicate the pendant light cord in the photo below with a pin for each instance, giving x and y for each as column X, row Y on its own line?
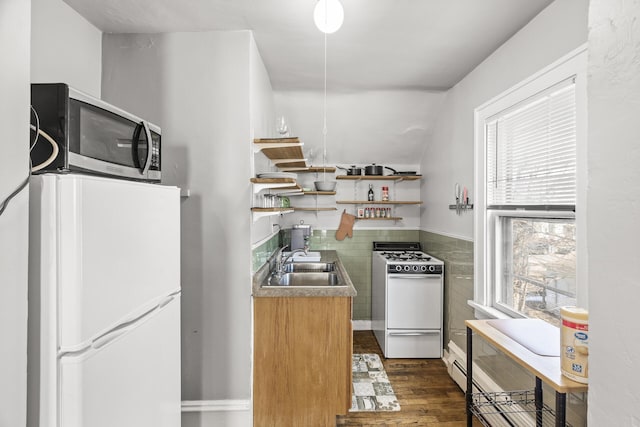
column 324, row 123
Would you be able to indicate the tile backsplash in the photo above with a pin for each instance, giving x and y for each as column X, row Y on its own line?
column 355, row 254
column 261, row 253
column 457, row 255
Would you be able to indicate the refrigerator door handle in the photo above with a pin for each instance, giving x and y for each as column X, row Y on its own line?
column 98, row 343
column 125, row 326
column 122, row 328
column 166, row 301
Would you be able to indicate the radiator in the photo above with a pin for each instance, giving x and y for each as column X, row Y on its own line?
column 456, row 361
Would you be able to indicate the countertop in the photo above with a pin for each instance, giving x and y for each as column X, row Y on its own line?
column 261, row 276
column 547, row 368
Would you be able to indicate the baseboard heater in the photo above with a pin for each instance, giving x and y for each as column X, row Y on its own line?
column 487, row 390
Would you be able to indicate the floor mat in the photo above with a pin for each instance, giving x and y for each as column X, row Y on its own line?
column 372, row 390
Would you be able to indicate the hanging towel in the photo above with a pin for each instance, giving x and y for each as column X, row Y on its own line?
column 346, row 226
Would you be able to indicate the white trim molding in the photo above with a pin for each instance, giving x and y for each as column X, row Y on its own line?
column 361, row 325
column 215, row 405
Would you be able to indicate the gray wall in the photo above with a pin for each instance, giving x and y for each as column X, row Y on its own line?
column 457, row 255
column 15, row 25
column 613, row 212
column 65, row 47
column 198, row 87
column 556, row 31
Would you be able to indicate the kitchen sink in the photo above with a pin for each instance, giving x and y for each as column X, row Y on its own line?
column 316, row 279
column 302, row 257
column 309, row 267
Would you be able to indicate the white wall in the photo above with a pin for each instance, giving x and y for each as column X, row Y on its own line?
column 196, row 86
column 363, row 127
column 15, row 24
column 387, row 127
column 613, row 212
column 65, row 47
column 556, row 31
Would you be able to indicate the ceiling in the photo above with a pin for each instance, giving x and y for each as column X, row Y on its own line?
column 387, row 67
column 382, row 45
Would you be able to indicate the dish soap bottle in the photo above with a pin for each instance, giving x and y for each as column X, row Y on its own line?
column 370, row 197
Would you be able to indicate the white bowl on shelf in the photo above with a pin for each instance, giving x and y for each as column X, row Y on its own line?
column 325, row 185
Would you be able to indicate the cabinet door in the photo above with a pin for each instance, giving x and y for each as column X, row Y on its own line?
column 302, row 354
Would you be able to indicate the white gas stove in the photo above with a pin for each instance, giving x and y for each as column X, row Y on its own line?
column 411, row 262
column 407, row 300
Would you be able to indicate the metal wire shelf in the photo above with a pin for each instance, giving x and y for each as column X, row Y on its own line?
column 511, row 408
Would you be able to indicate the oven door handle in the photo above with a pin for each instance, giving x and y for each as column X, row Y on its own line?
column 414, row 276
column 414, row 334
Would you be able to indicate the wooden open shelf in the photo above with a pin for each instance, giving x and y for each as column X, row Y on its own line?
column 377, row 202
column 386, row 218
column 289, row 181
column 318, row 169
column 319, row 193
column 283, row 152
column 278, row 210
column 282, row 184
column 380, row 177
column 314, row 209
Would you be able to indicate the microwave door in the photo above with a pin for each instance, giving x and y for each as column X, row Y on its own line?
column 102, row 141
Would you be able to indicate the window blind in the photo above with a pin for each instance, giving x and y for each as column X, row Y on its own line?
column 531, row 152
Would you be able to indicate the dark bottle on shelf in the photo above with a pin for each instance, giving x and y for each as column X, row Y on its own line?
column 370, row 198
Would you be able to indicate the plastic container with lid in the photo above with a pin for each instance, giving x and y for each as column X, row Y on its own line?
column 574, row 343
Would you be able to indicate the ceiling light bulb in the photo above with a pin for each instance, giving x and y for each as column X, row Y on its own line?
column 328, row 15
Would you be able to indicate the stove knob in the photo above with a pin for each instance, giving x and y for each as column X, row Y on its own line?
column 423, row 268
column 398, row 268
column 407, row 268
column 432, row 268
column 415, row 268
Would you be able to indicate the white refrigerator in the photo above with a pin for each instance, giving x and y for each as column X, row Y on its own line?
column 104, row 303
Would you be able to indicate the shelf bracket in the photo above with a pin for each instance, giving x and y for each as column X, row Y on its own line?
column 258, row 215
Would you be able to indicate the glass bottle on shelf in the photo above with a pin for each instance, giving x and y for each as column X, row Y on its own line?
column 385, row 194
column 370, row 196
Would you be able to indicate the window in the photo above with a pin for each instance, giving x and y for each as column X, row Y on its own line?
column 527, row 221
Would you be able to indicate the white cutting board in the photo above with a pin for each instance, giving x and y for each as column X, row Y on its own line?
column 536, row 335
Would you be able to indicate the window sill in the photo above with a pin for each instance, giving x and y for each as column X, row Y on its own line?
column 485, row 312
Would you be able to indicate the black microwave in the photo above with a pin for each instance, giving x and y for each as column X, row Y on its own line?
column 90, row 136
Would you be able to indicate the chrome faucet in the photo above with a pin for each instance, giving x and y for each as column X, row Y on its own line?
column 279, row 258
column 282, row 263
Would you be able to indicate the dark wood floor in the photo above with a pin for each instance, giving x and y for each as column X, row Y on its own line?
column 427, row 394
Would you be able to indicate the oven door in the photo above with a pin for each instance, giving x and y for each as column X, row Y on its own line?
column 414, row 301
column 111, row 142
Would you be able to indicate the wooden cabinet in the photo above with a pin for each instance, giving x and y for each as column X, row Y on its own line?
column 302, row 360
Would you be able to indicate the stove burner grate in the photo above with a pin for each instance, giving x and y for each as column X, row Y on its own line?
column 405, row 256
